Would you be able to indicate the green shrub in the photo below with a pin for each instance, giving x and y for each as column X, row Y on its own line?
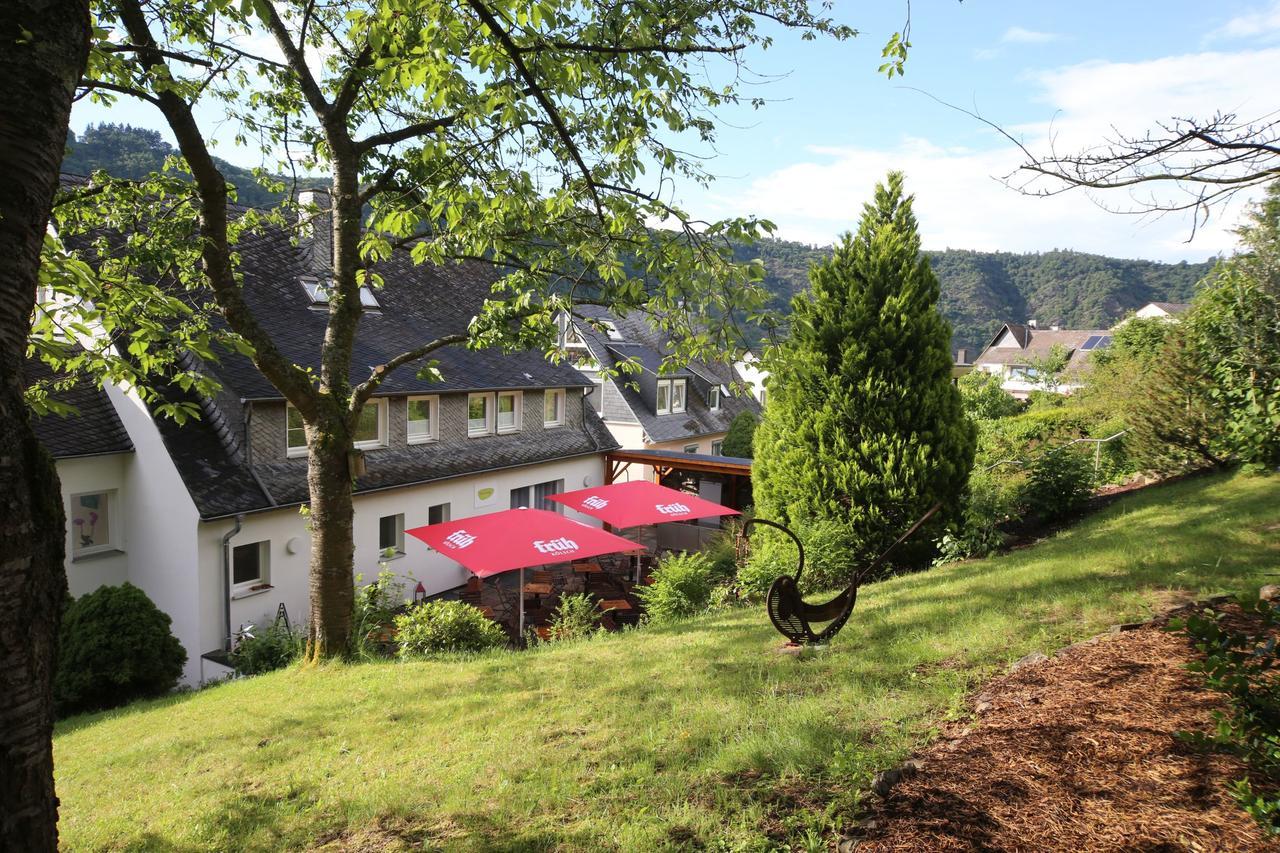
column 722, row 550
column 830, row 556
column 1059, row 485
column 575, row 617
column 772, row 554
column 1045, row 401
column 116, row 647
column 987, row 505
column 1241, row 665
column 446, row 626
column 681, row 587
column 374, row 608
column 273, row 648
column 983, row 397
column 739, row 439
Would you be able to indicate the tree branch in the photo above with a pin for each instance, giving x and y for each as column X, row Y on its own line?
column 361, row 393
column 549, row 108
column 391, row 137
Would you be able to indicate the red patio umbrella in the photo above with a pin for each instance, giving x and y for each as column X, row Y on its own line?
column 517, row 538
column 640, row 502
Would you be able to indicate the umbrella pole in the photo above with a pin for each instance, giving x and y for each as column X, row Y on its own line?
column 520, row 593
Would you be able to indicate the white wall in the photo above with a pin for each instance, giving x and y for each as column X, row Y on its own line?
column 161, row 521
column 289, row 572
column 89, row 475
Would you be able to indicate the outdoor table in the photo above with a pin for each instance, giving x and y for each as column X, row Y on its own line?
column 587, row 568
column 615, row 604
column 538, row 588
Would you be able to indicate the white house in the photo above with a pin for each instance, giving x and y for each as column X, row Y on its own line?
column 205, row 516
column 686, row 410
column 1016, row 349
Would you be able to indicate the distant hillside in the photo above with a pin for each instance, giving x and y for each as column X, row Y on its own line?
column 133, row 152
column 981, row 290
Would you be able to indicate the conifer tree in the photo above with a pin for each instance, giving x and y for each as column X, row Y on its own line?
column 864, row 427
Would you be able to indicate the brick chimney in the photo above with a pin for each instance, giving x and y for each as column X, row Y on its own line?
column 315, row 236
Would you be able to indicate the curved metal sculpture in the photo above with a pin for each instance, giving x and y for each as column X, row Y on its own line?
column 793, row 617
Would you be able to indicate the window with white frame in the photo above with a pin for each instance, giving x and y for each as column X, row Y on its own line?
column 479, row 414
column 391, row 535
column 570, row 335
column 717, row 448
column 424, row 419
column 91, row 520
column 509, row 406
column 691, row 448
column 611, row 330
column 596, row 396
column 671, row 396
column 250, row 565
column 553, row 407
column 438, row 514
column 371, row 425
column 713, row 398
column 295, row 432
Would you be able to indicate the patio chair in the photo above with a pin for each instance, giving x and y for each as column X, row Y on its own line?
column 793, row 616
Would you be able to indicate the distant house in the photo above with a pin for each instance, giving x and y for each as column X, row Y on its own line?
column 1163, row 310
column 688, row 409
column 204, row 516
column 1014, row 351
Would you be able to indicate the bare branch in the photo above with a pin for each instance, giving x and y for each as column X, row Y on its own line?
column 411, row 131
column 361, row 393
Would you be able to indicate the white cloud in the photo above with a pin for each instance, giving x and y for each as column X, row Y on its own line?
column 1021, row 35
column 960, row 202
column 1262, row 23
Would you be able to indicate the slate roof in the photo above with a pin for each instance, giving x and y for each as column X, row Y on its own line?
column 1173, row 308
column 641, row 342
column 418, row 304
column 95, row 431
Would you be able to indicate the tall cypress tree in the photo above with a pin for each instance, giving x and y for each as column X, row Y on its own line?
column 863, row 425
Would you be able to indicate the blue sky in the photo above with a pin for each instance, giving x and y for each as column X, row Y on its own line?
column 809, row 159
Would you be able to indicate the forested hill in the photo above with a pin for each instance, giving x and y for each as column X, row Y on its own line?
column 981, row 290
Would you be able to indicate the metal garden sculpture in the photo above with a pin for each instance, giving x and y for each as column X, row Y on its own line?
column 793, row 617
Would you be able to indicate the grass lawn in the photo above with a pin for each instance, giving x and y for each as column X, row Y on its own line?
column 661, row 738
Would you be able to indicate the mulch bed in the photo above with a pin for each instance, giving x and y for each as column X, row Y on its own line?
column 1075, row 752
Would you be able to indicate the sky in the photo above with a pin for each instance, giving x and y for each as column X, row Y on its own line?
column 1071, row 72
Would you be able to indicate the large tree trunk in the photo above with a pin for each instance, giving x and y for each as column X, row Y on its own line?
column 332, row 587
column 45, row 44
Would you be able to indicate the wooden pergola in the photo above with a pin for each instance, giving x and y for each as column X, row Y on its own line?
column 735, row 471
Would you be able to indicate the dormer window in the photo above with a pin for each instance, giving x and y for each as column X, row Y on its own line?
column 318, row 292
column 713, row 398
column 671, row 396
column 611, row 330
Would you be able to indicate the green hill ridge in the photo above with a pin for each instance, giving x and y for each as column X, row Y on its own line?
column 980, row 290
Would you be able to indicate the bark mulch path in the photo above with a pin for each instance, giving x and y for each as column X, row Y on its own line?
column 1075, row 752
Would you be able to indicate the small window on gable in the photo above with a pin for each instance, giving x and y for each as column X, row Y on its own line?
column 91, row 519
column 250, row 565
column 713, row 398
column 553, row 407
column 295, row 432
column 611, row 330
column 424, row 419
column 479, row 414
column 391, row 535
column 664, row 397
column 509, row 411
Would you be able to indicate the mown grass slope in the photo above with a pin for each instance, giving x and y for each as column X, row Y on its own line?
column 660, row 738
